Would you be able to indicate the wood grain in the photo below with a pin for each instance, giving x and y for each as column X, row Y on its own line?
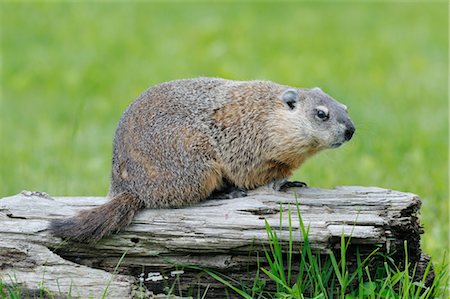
column 224, row 235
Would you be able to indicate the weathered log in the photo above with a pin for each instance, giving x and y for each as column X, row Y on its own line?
column 223, row 235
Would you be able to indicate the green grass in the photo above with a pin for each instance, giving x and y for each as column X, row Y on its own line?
column 11, row 287
column 317, row 277
column 68, row 71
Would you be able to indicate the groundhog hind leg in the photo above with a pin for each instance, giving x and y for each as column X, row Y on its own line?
column 227, row 192
column 193, row 182
column 176, row 168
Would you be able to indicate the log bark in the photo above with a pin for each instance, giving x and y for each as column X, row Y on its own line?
column 223, row 235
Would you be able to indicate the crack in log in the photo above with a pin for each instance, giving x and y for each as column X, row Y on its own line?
column 261, row 211
column 10, row 215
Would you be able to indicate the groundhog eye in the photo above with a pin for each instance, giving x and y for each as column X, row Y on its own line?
column 322, row 113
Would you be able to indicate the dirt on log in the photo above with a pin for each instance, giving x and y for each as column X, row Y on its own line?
column 222, row 235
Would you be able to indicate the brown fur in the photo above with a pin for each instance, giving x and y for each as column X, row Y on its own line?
column 92, row 225
column 181, row 141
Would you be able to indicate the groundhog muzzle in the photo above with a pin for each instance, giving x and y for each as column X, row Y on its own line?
column 184, row 141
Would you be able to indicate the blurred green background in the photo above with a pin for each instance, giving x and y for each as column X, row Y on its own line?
column 70, row 69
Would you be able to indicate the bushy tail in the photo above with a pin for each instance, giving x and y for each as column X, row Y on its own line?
column 93, row 224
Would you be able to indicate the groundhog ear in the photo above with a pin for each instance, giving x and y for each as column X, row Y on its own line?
column 290, row 98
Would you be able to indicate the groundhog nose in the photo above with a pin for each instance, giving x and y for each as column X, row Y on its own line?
column 349, row 132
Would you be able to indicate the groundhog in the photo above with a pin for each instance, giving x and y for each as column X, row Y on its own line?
column 184, row 141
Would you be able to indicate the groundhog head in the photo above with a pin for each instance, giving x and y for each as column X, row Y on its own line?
column 314, row 119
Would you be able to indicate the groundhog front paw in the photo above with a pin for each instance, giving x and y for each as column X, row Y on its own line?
column 282, row 185
column 294, row 184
